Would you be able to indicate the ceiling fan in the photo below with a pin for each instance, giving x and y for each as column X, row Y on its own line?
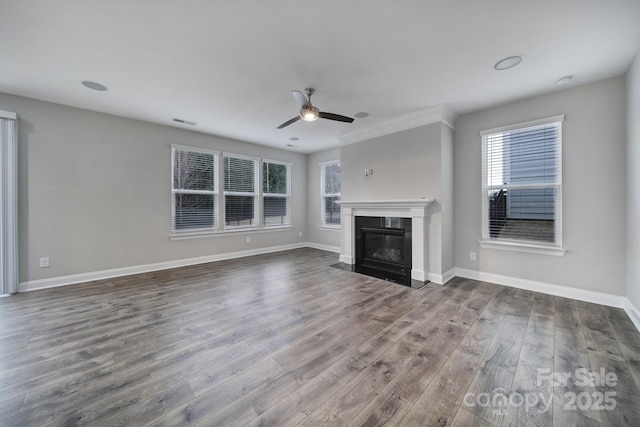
column 310, row 113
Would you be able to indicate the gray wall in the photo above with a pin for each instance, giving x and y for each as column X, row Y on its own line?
column 447, row 199
column 633, row 190
column 316, row 234
column 407, row 165
column 95, row 191
column 594, row 191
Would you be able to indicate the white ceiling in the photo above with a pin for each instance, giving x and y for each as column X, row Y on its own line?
column 230, row 65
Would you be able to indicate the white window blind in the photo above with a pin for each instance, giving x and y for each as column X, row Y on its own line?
column 330, row 189
column 275, row 193
column 522, row 182
column 240, row 191
column 195, row 189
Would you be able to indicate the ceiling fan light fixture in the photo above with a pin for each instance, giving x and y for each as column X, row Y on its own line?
column 309, row 113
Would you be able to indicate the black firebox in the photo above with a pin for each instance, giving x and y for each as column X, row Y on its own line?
column 383, row 248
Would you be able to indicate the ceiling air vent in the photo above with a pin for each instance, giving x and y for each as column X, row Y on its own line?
column 184, row 122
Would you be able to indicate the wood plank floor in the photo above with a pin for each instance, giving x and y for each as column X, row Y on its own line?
column 285, row 339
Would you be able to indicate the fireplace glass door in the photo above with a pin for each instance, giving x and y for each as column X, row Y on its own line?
column 386, row 245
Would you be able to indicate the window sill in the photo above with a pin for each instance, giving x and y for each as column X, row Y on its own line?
column 228, row 232
column 330, row 227
column 523, row 247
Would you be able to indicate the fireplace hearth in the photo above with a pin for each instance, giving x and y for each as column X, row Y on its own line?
column 383, row 248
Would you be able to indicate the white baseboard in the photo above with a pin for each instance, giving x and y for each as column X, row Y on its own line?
column 347, row 259
column 448, row 275
column 441, row 279
column 32, row 285
column 435, row 278
column 546, row 288
column 335, row 249
column 633, row 312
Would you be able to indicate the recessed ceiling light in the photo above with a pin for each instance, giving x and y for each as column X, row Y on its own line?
column 294, row 138
column 361, row 115
column 509, row 62
column 291, row 146
column 94, row 85
column 564, row 80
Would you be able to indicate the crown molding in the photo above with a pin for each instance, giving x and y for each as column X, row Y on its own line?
column 398, row 124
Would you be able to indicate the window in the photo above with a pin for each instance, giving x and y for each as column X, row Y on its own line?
column 330, row 190
column 240, row 191
column 217, row 193
column 275, row 193
column 194, row 190
column 522, row 183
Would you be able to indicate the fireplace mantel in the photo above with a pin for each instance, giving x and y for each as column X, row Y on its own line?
column 416, row 209
column 379, row 204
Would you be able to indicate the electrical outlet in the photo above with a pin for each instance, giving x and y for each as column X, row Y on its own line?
column 248, row 239
column 300, row 234
column 44, row 262
column 473, row 256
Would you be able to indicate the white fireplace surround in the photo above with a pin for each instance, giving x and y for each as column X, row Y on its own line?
column 416, row 209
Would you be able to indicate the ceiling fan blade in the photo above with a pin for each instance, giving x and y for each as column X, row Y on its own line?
column 336, row 117
column 288, row 122
column 300, row 98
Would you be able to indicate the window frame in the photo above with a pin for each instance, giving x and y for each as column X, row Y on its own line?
column 286, row 196
column 219, row 197
column 522, row 245
column 257, row 214
column 215, row 192
column 324, row 195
